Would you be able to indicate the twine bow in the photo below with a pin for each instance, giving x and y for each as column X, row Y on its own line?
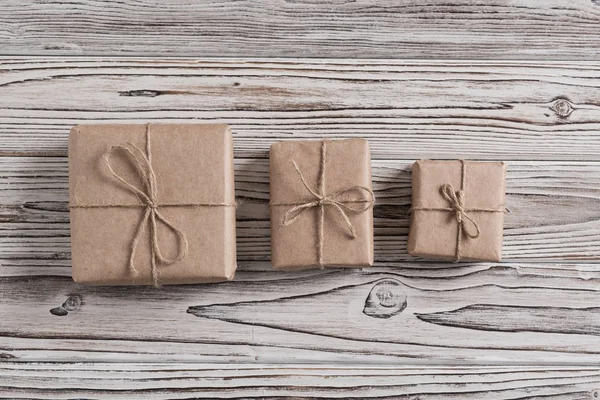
column 457, row 203
column 152, row 215
column 456, row 198
column 148, row 197
column 321, row 200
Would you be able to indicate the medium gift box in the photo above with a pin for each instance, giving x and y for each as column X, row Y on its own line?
column 457, row 210
column 152, row 204
column 321, row 204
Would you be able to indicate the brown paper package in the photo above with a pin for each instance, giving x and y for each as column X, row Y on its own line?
column 348, row 163
column 193, row 163
column 433, row 234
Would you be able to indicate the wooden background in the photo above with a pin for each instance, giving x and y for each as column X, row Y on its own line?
column 517, row 81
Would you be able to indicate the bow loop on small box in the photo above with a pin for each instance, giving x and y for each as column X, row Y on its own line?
column 457, row 201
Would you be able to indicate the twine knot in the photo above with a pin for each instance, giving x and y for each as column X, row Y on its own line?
column 322, row 200
column 457, row 202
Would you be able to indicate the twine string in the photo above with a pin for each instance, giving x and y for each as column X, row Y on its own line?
column 321, row 200
column 142, row 164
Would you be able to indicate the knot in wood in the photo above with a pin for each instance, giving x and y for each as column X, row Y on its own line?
column 386, row 299
column 563, row 108
column 72, row 303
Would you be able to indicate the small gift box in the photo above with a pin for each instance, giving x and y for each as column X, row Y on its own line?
column 457, row 210
column 321, row 204
column 151, row 204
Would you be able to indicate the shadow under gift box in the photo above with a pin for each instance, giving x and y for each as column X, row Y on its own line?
column 347, row 164
column 193, row 165
column 433, row 234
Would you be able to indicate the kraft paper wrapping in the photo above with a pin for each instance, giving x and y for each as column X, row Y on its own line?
column 433, row 234
column 348, row 163
column 193, row 163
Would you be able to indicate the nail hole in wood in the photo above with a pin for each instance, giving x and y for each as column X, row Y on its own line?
column 59, row 312
column 140, row 93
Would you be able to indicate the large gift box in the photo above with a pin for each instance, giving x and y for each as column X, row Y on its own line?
column 457, row 210
column 321, row 204
column 152, row 204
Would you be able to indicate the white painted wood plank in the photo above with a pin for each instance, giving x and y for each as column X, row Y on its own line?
column 543, row 118
column 182, row 381
column 466, row 29
column 448, row 314
column 408, row 110
column 554, row 210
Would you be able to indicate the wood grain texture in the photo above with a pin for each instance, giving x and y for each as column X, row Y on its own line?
column 385, row 329
column 554, row 206
column 184, row 381
column 313, row 316
column 407, row 110
column 463, row 29
column 583, row 321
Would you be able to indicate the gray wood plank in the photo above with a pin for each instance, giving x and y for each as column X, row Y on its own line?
column 554, row 206
column 318, row 316
column 541, row 117
column 189, row 380
column 466, row 29
column 407, row 110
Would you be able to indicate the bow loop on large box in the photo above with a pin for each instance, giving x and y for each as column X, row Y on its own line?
column 149, row 200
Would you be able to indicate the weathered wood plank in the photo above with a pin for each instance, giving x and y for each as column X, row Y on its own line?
column 408, row 110
column 315, row 316
column 183, row 381
column 465, row 29
column 554, row 206
column 543, row 118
